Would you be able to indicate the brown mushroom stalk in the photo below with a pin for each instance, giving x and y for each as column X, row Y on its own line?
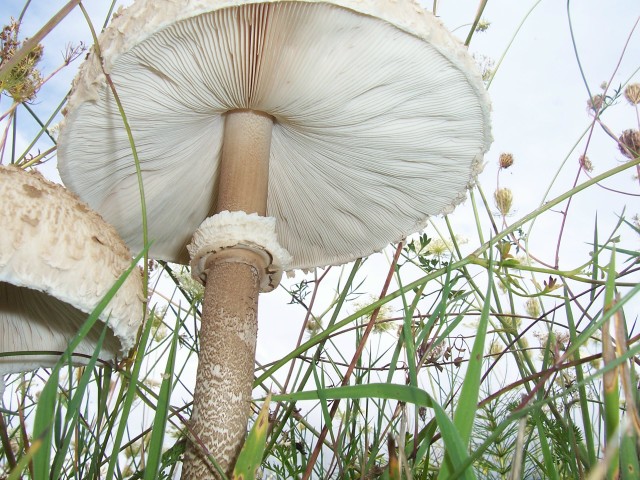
column 244, row 165
column 228, row 332
column 229, row 323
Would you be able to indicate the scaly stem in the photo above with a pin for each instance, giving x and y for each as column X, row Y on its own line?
column 222, row 396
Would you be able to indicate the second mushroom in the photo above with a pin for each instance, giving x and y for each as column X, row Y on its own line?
column 272, row 136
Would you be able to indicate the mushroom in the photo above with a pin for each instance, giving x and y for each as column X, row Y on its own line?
column 58, row 259
column 280, row 135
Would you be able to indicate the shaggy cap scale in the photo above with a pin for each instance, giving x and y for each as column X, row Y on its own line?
column 58, row 259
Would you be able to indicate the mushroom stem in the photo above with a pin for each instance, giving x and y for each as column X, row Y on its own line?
column 229, row 326
column 244, row 167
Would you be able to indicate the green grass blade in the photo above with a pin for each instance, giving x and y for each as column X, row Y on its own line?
column 73, row 408
column 16, row 472
column 629, row 465
column 610, row 378
column 134, row 151
column 547, row 456
column 128, row 398
column 156, row 442
column 629, row 461
column 171, row 456
column 42, row 427
column 408, row 335
column 326, row 416
column 582, row 391
column 250, row 456
column 102, row 414
column 403, row 393
column 468, row 401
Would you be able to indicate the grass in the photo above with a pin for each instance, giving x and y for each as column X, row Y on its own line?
column 487, row 346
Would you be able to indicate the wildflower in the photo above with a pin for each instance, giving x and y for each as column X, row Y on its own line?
column 532, row 307
column 433, row 352
column 314, row 326
column 505, row 160
column 523, row 343
column 632, row 93
column 566, row 379
column 504, row 199
column 191, row 286
column 438, row 247
column 629, row 143
column 510, row 323
column 562, row 339
column 24, row 79
column 174, row 432
column 384, row 314
column 422, row 411
column 483, row 25
column 157, row 321
column 129, row 470
column 550, row 285
column 585, row 163
column 495, row 348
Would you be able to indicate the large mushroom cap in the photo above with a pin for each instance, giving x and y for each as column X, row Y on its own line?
column 380, row 120
column 58, row 259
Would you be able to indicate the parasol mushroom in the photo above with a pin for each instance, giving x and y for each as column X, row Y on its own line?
column 281, row 135
column 58, row 259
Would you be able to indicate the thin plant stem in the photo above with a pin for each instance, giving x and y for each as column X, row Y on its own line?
column 345, row 379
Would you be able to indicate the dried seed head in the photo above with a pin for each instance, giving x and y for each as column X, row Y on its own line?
column 585, row 163
column 505, row 160
column 504, row 199
column 595, row 103
column 495, row 348
column 532, row 307
column 629, row 143
column 632, row 93
column 24, row 79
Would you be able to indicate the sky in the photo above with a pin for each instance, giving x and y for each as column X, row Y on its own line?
column 539, row 99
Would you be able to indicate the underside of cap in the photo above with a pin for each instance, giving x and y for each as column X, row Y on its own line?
column 58, row 260
column 34, row 321
column 380, row 120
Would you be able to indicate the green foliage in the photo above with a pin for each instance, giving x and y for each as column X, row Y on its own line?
column 250, row 456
